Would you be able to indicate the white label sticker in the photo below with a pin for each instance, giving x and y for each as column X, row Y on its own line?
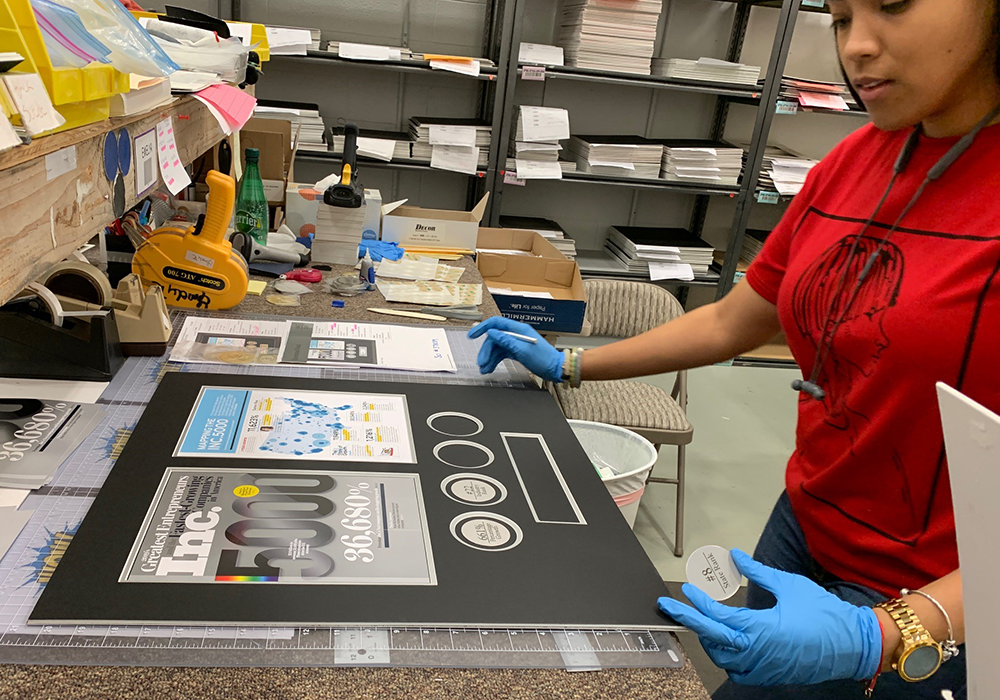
column 197, row 259
column 60, row 163
column 533, row 73
column 145, row 162
column 486, row 532
column 451, row 135
column 510, row 178
column 712, row 569
column 474, row 489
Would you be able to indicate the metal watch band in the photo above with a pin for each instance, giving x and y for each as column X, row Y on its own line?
column 949, row 647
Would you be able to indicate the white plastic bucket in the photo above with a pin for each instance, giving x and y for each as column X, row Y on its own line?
column 630, row 456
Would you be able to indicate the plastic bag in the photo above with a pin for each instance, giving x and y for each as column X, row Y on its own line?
column 132, row 49
column 66, row 39
column 226, row 58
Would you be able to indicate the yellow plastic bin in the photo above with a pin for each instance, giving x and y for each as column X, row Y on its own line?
column 80, row 95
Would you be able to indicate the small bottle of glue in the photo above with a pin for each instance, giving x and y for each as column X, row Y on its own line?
column 367, row 273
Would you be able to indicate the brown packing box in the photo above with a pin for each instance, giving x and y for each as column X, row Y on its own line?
column 517, row 239
column 563, row 313
column 273, row 138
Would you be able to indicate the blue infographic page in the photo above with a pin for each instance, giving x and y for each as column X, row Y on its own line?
column 305, row 425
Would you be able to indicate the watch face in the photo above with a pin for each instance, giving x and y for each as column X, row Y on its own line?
column 921, row 662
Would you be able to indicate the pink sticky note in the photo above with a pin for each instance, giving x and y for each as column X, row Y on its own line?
column 234, row 104
column 823, row 101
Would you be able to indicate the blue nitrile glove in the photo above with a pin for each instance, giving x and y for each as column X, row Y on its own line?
column 541, row 358
column 379, row 250
column 810, row 636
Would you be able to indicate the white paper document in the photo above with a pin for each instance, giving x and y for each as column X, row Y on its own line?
column 470, row 67
column 8, row 137
column 172, row 170
column 12, row 521
column 353, row 345
column 544, row 123
column 367, row 52
column 452, row 135
column 12, row 498
column 542, row 54
column 670, row 271
column 381, row 149
column 32, row 102
column 538, row 169
column 461, row 159
column 520, row 293
column 362, row 345
column 611, row 164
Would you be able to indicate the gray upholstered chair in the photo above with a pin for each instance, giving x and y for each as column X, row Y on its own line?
column 621, row 310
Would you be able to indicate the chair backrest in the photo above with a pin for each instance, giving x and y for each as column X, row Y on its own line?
column 620, row 309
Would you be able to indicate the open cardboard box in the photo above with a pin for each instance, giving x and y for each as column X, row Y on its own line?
column 564, row 305
column 517, row 239
column 273, row 138
column 444, row 229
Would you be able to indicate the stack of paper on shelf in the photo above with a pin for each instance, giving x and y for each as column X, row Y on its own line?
column 369, row 52
column 609, row 35
column 709, row 70
column 783, row 172
column 701, row 161
column 462, row 145
column 534, row 145
column 617, row 156
column 304, row 117
column 753, row 243
column 292, row 41
column 339, row 230
column 546, row 228
column 381, row 145
column 817, row 95
column 650, row 249
column 143, row 95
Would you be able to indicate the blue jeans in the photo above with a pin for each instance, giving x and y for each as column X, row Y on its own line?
column 783, row 546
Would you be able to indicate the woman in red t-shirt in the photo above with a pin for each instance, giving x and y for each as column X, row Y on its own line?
column 883, row 277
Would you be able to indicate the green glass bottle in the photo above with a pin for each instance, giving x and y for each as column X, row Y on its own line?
column 251, row 204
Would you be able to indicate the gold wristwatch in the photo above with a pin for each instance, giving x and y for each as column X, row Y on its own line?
column 918, row 655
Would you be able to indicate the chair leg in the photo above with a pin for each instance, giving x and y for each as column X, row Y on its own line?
column 679, row 525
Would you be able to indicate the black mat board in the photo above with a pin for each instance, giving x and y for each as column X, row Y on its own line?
column 561, row 575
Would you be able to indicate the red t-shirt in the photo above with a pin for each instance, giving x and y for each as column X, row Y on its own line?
column 868, row 480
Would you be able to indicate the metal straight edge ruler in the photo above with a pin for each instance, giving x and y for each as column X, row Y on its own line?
column 574, row 650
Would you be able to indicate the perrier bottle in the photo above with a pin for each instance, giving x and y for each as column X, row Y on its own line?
column 251, row 204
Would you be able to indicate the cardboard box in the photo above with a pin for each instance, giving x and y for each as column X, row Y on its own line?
column 273, row 138
column 432, row 228
column 517, row 239
column 559, row 279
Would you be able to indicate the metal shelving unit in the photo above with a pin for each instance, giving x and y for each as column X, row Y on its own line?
column 501, row 39
column 764, row 97
column 492, row 80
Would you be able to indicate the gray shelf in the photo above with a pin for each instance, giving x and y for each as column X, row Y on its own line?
column 486, row 73
column 739, row 93
column 645, row 183
column 394, row 164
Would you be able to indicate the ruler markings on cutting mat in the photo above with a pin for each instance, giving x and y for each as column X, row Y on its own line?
column 60, row 506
